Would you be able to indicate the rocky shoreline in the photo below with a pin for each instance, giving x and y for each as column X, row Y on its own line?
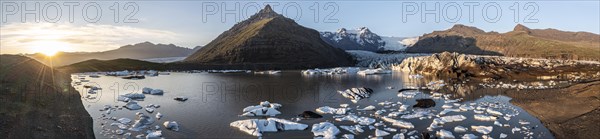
column 570, row 111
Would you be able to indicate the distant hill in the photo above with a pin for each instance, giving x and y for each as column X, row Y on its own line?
column 362, row 39
column 272, row 40
column 39, row 102
column 95, row 65
column 521, row 42
column 145, row 50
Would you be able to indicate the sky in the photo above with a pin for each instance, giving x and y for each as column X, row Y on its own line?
column 78, row 26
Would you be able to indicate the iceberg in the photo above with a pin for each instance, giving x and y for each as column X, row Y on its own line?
column 132, row 106
column 355, row 129
column 172, row 125
column 263, row 109
column 469, row 136
column 325, row 129
column 399, row 123
column 348, row 136
column 446, row 119
column 417, row 114
column 256, row 127
column 460, row 129
column 408, row 94
column 356, row 94
column 480, row 117
column 119, row 125
column 154, row 135
column 142, row 122
column 380, row 133
column 156, row 92
column 374, row 71
column 150, row 110
column 134, row 96
column 398, row 136
column 330, row 110
column 180, row 98
column 444, row 134
column 146, row 90
column 124, row 120
column 482, row 129
column 368, row 108
column 356, row 119
column 159, row 115
column 493, row 112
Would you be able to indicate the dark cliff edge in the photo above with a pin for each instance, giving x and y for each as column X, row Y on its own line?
column 39, row 102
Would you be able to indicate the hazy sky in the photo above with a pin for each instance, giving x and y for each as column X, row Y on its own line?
column 191, row 23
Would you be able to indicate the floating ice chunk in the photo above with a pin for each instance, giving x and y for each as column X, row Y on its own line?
column 141, row 122
column 256, row 127
column 466, row 108
column 469, row 136
column 356, row 119
column 444, row 134
column 355, row 129
column 344, row 105
column 398, row 136
column 447, row 106
column 502, row 135
column 380, row 133
column 180, row 98
column 156, row 92
column 480, row 117
column 478, row 111
column 446, row 119
column 263, row 109
column 172, row 125
column 460, row 129
column 390, row 129
column 356, row 94
column 124, row 120
column 119, row 132
column 134, row 96
column 408, row 94
column 325, row 129
column 498, row 123
column 146, row 90
column 348, row 136
column 403, row 107
column 150, row 110
column 445, row 111
column 132, row 106
column 515, row 129
column 399, row 123
column 523, row 122
column 493, row 112
column 368, row 108
column 119, row 125
column 482, row 129
column 330, row 110
column 123, row 98
column 417, row 114
column 154, row 135
column 159, row 115
column 374, row 71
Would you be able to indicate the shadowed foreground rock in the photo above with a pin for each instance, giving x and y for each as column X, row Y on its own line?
column 39, row 102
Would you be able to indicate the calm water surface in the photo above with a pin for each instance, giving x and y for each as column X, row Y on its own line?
column 216, row 99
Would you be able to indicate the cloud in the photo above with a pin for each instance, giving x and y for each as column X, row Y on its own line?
column 27, row 37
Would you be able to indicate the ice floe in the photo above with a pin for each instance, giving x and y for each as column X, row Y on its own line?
column 399, row 123
column 356, row 119
column 171, row 125
column 141, row 122
column 380, row 133
column 374, row 71
column 355, row 129
column 325, row 130
column 482, row 129
column 263, row 109
column 356, row 94
column 480, row 117
column 256, row 127
column 460, row 129
column 330, row 110
column 444, row 134
column 154, row 135
column 132, row 105
column 469, row 136
column 368, row 108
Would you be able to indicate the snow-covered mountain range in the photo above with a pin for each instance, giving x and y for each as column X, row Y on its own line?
column 363, row 39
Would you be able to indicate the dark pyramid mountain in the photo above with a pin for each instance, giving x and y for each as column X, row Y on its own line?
column 270, row 39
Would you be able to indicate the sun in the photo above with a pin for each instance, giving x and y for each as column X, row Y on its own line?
column 49, row 48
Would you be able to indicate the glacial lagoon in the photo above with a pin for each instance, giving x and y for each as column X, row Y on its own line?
column 216, row 99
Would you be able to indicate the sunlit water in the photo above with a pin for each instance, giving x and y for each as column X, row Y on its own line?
column 217, row 99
